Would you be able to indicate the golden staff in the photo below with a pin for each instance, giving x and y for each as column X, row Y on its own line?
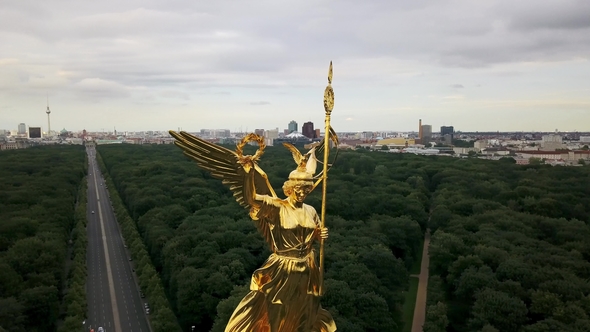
column 328, row 106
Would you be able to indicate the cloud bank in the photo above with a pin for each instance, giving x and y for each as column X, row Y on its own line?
column 158, row 64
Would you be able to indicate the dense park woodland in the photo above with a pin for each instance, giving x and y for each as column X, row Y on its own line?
column 42, row 274
column 510, row 245
column 509, row 251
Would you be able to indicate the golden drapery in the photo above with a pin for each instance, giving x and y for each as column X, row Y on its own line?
column 284, row 292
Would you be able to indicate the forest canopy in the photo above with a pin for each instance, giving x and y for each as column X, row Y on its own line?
column 37, row 201
column 509, row 248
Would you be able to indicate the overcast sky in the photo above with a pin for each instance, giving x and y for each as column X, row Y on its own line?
column 158, row 65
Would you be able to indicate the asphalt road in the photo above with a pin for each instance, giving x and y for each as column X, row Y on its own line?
column 114, row 301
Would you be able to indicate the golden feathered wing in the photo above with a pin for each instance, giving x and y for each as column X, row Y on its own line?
column 241, row 173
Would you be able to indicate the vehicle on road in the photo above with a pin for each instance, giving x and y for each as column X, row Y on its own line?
column 100, row 329
column 92, row 211
column 141, row 294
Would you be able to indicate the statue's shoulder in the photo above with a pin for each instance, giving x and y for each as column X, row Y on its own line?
column 274, row 201
column 310, row 208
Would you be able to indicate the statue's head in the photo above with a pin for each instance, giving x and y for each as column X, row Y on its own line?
column 299, row 185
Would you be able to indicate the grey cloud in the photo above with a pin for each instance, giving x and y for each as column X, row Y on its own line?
column 241, row 37
column 179, row 48
column 258, row 103
column 557, row 14
column 457, row 86
column 97, row 89
column 175, row 94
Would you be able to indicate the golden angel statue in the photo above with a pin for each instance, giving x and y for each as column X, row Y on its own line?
column 285, row 292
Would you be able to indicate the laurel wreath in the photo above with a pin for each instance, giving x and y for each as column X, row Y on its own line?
column 251, row 138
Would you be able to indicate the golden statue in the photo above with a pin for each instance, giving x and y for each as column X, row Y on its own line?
column 285, row 292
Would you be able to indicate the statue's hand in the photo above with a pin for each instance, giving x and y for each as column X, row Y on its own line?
column 323, row 233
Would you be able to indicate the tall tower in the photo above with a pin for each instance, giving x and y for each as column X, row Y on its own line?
column 48, row 121
column 420, row 130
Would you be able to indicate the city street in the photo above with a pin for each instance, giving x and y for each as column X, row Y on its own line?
column 114, row 301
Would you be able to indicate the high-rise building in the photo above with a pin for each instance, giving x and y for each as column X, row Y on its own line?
column 259, row 132
column 447, row 134
column 317, row 133
column 307, row 130
column 22, row 129
column 426, row 134
column 34, row 132
column 292, row 126
column 447, row 130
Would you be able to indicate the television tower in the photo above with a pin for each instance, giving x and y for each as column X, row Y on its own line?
column 48, row 121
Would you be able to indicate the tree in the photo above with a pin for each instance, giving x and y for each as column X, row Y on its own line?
column 373, row 312
column 489, row 328
column 226, row 307
column 444, row 249
column 473, row 280
column 339, row 297
column 499, row 309
column 508, row 160
column 40, row 305
column 12, row 316
column 439, row 217
column 459, row 266
column 436, row 318
column 403, row 235
column 462, row 143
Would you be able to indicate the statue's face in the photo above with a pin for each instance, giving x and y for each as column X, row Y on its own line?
column 300, row 191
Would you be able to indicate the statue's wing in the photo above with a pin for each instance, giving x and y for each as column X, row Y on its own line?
column 295, row 152
column 224, row 164
column 244, row 180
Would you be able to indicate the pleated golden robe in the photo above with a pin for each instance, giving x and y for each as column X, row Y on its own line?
column 284, row 294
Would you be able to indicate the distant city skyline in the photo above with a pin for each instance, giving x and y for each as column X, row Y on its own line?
column 477, row 65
